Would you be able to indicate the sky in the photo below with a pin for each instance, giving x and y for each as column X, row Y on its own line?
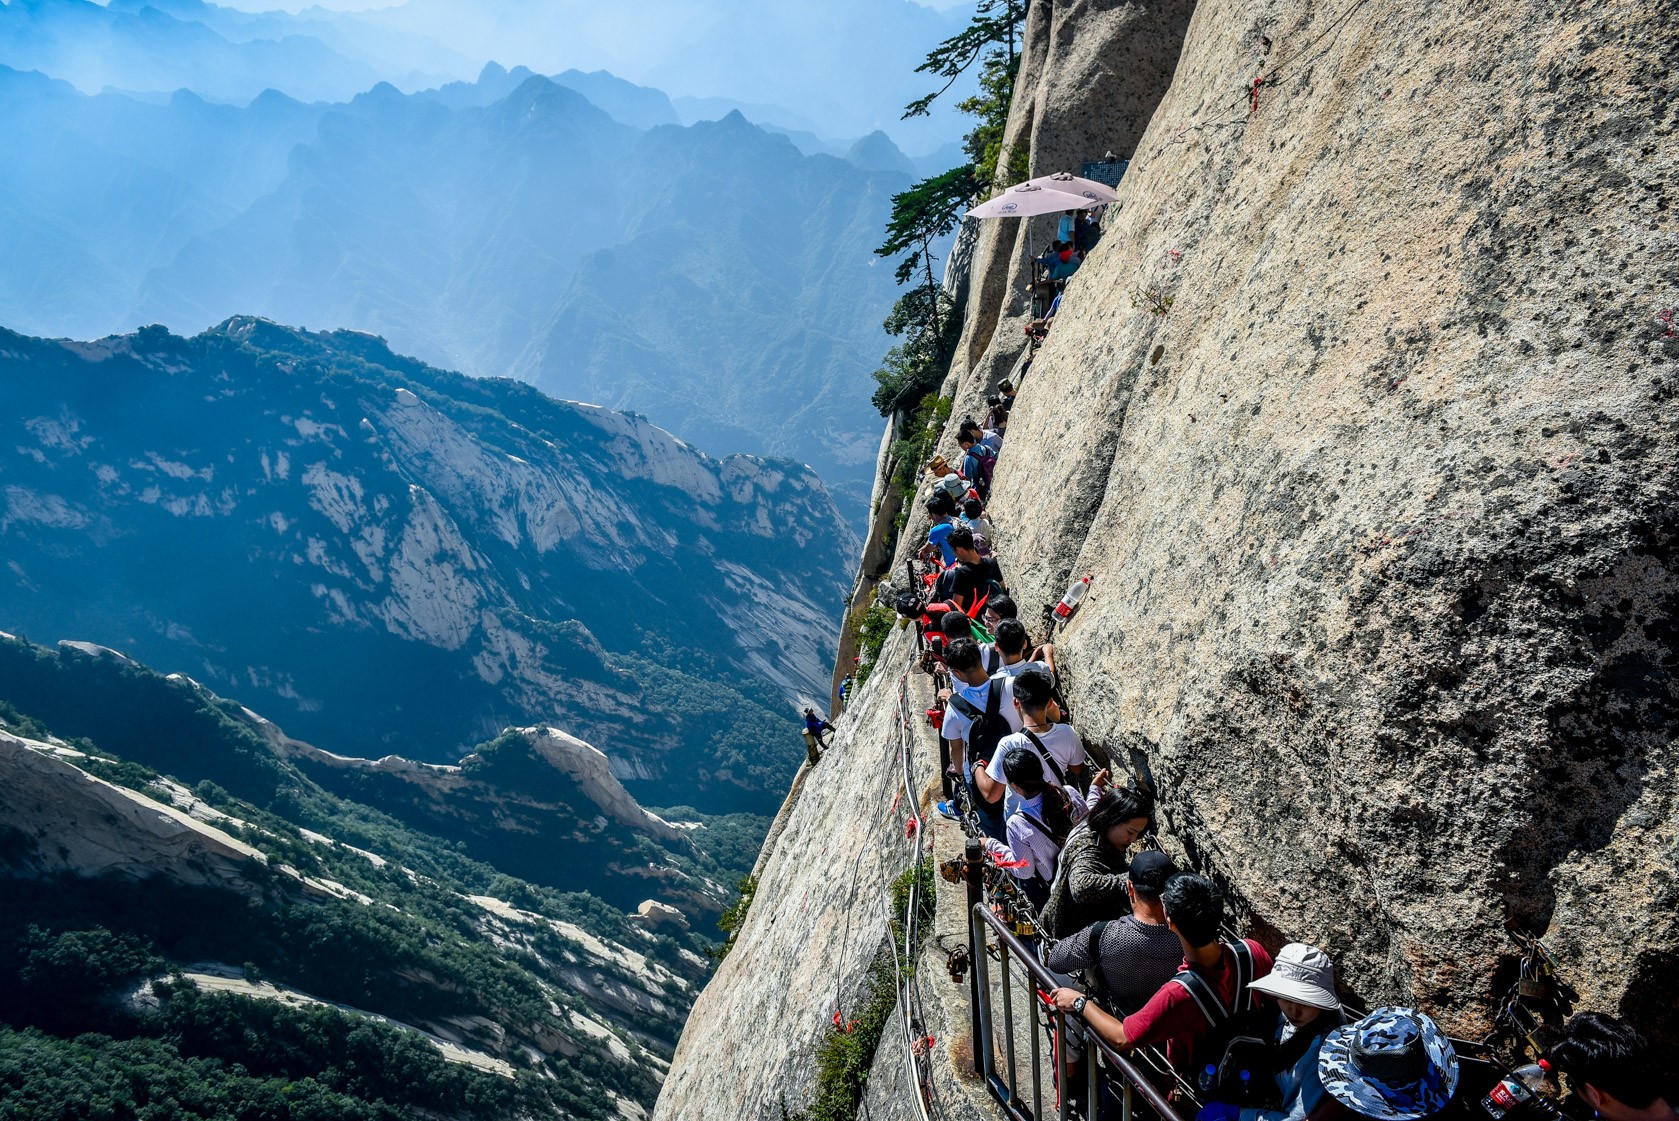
column 846, row 65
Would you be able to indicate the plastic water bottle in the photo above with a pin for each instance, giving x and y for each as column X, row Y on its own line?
column 1208, row 1079
column 1075, row 595
column 1514, row 1089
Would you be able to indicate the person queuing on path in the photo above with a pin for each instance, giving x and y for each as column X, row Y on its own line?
column 1091, row 883
column 1056, row 747
column 1086, row 232
column 1038, row 329
column 941, row 508
column 973, row 516
column 978, row 461
column 1037, row 827
column 1302, row 982
column 997, row 415
column 845, row 689
column 1612, row 1069
column 814, row 727
column 972, row 576
column 998, row 608
column 1067, row 262
column 1172, row 1016
column 988, row 437
column 1129, row 957
column 1393, row 1065
column 954, row 625
column 1019, row 655
column 1067, row 226
column 980, row 712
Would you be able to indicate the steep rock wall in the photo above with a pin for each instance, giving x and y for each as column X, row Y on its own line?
column 1381, row 510
column 816, row 922
column 1091, row 74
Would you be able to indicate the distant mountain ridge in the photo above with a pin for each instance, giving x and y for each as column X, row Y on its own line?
column 393, row 558
column 712, row 276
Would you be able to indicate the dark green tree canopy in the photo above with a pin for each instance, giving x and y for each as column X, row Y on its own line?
column 995, row 22
column 927, row 211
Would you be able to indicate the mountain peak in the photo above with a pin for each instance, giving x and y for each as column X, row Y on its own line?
column 876, row 152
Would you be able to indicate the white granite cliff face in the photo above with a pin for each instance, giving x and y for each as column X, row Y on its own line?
column 66, row 820
column 1380, row 512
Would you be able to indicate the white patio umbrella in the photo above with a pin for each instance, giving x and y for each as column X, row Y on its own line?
column 1026, row 199
column 1093, row 193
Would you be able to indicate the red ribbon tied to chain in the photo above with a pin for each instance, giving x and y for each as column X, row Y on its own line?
column 997, row 858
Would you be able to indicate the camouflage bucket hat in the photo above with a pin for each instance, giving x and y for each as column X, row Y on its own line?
column 1395, row 1065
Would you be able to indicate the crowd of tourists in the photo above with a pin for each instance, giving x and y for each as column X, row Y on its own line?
column 1261, row 1037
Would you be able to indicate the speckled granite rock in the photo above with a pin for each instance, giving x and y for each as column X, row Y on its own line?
column 1382, row 510
column 1091, row 74
column 816, row 922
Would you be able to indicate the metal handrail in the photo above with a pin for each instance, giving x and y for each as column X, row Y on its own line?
column 1131, row 1076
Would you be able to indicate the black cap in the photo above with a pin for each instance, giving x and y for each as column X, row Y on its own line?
column 1150, row 869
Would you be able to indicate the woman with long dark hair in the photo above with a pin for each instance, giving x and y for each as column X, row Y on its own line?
column 1090, row 883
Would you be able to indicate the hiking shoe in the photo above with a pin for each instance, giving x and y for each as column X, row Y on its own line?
column 945, row 809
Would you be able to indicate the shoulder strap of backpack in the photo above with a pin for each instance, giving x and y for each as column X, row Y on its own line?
column 1048, row 757
column 1204, row 995
column 994, row 660
column 1096, row 975
column 1244, row 974
column 994, row 699
column 965, row 706
column 1041, row 827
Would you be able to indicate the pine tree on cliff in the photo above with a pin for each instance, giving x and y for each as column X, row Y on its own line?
column 920, row 216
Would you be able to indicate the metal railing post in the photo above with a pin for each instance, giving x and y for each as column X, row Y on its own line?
column 1063, row 1092
column 974, row 876
column 1037, row 1059
column 1008, row 1023
column 1090, row 1101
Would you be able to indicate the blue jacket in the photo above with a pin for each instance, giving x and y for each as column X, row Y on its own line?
column 1301, row 1088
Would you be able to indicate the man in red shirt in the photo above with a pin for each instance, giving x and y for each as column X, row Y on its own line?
column 1172, row 1016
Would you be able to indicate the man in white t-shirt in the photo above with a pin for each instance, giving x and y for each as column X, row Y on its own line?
column 1057, row 746
column 973, row 690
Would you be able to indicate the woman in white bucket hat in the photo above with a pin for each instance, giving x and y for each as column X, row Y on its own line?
column 1302, row 981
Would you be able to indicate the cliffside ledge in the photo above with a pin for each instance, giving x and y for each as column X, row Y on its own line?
column 1380, row 507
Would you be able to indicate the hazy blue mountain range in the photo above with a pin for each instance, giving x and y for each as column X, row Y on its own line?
column 837, row 68
column 170, row 45
column 389, row 558
column 151, row 831
column 845, row 65
column 713, row 276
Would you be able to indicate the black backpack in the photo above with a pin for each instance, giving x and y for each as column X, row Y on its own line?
column 1239, row 1038
column 989, row 727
